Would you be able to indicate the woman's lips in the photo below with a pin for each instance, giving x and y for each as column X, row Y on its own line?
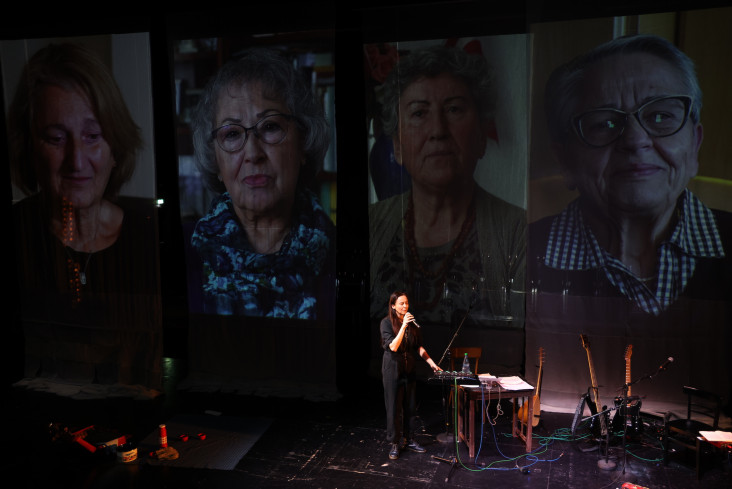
column 257, row 180
column 76, row 179
column 637, row 171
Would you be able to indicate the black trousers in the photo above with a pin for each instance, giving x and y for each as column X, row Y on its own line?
column 400, row 399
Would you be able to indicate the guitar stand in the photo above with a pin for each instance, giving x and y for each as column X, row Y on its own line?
column 605, row 463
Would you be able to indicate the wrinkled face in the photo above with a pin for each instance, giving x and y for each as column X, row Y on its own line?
column 261, row 178
column 71, row 158
column 401, row 306
column 636, row 174
column 440, row 136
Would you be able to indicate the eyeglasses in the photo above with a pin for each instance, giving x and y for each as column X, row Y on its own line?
column 270, row 129
column 660, row 117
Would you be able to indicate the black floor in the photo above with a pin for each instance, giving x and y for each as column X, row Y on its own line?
column 334, row 444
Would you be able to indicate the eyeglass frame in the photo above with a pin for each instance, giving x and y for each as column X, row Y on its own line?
column 253, row 128
column 689, row 101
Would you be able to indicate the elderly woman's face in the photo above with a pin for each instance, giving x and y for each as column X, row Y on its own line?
column 72, row 159
column 440, row 136
column 261, row 178
column 637, row 174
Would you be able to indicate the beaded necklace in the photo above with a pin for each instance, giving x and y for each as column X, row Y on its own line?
column 414, row 261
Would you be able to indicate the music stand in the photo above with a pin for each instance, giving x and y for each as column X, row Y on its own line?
column 448, row 437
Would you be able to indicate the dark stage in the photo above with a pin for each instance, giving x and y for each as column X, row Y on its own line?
column 326, row 444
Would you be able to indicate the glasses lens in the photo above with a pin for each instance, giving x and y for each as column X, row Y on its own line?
column 601, row 127
column 231, row 137
column 273, row 128
column 665, row 116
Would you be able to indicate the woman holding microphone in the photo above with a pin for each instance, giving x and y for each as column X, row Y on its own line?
column 401, row 339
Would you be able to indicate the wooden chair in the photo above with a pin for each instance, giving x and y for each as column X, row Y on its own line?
column 702, row 414
column 458, row 353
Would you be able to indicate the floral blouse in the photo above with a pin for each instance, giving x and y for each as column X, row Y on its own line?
column 239, row 281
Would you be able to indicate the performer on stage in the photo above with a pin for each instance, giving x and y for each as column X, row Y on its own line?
column 401, row 339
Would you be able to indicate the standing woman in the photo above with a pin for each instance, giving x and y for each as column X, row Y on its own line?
column 402, row 342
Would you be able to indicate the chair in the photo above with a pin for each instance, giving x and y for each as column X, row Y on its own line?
column 685, row 431
column 458, row 353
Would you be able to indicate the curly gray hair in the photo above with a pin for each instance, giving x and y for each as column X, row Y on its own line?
column 280, row 80
column 432, row 61
column 565, row 82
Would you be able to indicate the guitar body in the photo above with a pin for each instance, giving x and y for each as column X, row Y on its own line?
column 523, row 413
column 629, row 415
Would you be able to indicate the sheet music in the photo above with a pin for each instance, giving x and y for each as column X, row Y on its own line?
column 514, row 383
column 717, row 436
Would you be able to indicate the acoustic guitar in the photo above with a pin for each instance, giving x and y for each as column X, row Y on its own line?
column 524, row 410
column 598, row 428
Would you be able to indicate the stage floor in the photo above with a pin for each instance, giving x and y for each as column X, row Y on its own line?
column 329, row 444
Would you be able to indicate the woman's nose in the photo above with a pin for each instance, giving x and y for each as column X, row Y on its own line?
column 75, row 155
column 439, row 127
column 634, row 136
column 253, row 149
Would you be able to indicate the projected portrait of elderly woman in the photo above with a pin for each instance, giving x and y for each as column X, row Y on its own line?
column 637, row 259
column 86, row 256
column 445, row 239
column 266, row 245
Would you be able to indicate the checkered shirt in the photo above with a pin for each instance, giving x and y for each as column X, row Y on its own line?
column 573, row 246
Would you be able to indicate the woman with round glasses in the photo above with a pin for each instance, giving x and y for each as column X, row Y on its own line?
column 636, row 259
column 259, row 137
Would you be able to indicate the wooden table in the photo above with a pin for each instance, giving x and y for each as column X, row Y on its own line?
column 471, row 395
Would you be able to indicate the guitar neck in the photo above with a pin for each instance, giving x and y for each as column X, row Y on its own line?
column 537, row 391
column 628, row 354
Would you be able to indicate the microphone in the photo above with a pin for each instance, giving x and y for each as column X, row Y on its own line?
column 665, row 364
column 415, row 323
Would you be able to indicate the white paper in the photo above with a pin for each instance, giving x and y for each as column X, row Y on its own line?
column 715, row 436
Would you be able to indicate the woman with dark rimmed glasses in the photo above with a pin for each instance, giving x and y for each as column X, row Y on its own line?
column 259, row 137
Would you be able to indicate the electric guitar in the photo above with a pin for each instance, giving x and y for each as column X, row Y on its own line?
column 631, row 410
column 598, row 428
column 523, row 410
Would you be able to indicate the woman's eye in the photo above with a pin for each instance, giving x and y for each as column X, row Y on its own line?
column 270, row 126
column 455, row 109
column 54, row 139
column 231, row 133
column 92, row 138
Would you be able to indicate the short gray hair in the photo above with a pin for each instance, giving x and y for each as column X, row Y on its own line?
column 279, row 80
column 430, row 62
column 564, row 83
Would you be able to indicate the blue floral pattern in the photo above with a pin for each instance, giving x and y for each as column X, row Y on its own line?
column 240, row 281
